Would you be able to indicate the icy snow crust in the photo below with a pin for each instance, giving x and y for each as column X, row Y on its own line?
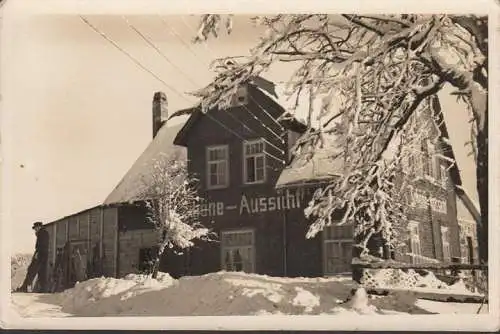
column 229, row 293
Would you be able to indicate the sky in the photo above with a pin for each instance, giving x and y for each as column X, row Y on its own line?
column 76, row 112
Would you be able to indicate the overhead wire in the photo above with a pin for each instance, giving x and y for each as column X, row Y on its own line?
column 240, row 137
column 137, row 62
column 267, row 113
column 157, row 49
column 165, row 57
column 187, row 45
column 246, row 108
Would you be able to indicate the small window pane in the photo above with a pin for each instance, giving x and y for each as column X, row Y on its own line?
column 259, row 174
column 254, row 162
column 259, row 162
column 217, row 166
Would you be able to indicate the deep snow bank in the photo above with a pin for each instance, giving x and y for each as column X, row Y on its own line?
column 212, row 294
column 227, row 293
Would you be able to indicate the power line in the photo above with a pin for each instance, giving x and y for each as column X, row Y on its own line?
column 168, row 86
column 260, row 121
column 244, row 125
column 150, row 43
column 137, row 62
column 172, row 30
column 157, row 49
column 240, row 137
column 267, row 113
column 194, row 32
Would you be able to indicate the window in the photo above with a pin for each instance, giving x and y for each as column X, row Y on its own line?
column 429, row 151
column 237, row 250
column 444, row 176
column 434, row 166
column 445, row 237
column 415, row 163
column 419, row 199
column 438, row 205
column 415, row 250
column 218, row 167
column 337, row 249
column 240, row 98
column 254, row 165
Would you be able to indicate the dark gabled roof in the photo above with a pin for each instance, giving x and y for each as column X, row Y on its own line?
column 139, row 175
column 258, row 86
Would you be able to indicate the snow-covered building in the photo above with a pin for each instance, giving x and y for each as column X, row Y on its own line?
column 434, row 205
column 255, row 192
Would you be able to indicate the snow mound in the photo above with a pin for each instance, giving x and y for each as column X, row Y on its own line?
column 93, row 291
column 222, row 293
column 306, row 299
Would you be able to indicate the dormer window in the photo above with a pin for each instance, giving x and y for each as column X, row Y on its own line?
column 240, row 98
column 254, row 161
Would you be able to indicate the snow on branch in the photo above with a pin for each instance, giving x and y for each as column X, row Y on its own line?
column 380, row 70
column 173, row 205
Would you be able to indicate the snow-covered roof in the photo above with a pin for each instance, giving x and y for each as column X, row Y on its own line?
column 325, row 163
column 139, row 176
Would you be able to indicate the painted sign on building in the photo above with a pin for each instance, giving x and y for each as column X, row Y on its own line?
column 422, row 201
column 249, row 205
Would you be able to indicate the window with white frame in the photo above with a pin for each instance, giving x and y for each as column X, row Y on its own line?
column 254, row 161
column 217, row 166
column 337, row 249
column 445, row 238
column 415, row 249
column 444, row 176
column 416, row 163
column 237, row 250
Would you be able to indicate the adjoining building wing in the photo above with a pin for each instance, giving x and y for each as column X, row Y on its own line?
column 325, row 163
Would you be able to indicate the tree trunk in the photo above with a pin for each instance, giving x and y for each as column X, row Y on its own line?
column 156, row 266
column 482, row 189
column 357, row 272
column 159, row 253
column 479, row 102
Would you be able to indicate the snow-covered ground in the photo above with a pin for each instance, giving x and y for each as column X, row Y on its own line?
column 226, row 293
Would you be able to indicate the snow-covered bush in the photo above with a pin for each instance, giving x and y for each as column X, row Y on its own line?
column 173, row 208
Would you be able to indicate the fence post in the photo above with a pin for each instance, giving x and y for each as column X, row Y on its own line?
column 455, row 271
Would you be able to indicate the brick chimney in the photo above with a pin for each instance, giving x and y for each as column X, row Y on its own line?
column 160, row 111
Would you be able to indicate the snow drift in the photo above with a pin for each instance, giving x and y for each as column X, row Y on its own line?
column 229, row 293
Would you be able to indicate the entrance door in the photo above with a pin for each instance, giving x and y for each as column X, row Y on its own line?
column 238, row 250
column 337, row 255
column 337, row 249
